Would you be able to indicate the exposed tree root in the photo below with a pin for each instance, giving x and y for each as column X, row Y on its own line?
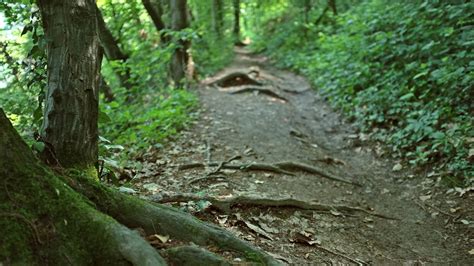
column 248, row 166
column 236, row 79
column 192, row 255
column 74, row 211
column 165, row 220
column 227, row 203
column 287, row 168
column 264, row 90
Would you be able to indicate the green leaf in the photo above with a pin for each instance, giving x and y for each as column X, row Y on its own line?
column 103, row 117
column 38, row 146
column 407, row 96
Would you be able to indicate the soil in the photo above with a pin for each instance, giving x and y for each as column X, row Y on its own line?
column 433, row 223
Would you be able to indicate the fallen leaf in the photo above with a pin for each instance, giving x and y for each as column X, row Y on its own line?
column 257, row 230
column 368, row 220
column 222, row 219
column 151, row 187
column 268, row 228
column 335, row 213
column 453, row 210
column 163, row 239
column 425, row 198
column 397, row 167
column 471, row 252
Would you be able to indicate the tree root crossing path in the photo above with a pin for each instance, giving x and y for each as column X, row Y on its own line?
column 268, row 160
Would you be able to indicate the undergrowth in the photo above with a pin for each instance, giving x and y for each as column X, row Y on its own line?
column 402, row 71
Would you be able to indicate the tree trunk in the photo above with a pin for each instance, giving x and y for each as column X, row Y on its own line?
column 237, row 21
column 106, row 90
column 332, row 4
column 71, row 104
column 155, row 12
column 179, row 60
column 58, row 219
column 217, row 17
column 113, row 51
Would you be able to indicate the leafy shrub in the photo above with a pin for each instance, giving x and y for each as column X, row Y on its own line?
column 403, row 70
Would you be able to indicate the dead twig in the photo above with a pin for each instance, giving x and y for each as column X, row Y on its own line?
column 227, row 203
column 221, row 164
column 356, row 261
column 421, row 204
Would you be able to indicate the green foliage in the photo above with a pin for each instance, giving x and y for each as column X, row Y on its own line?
column 148, row 121
column 401, row 70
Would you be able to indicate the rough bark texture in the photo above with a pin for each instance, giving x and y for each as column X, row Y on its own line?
column 155, row 12
column 179, row 21
column 71, row 105
column 236, row 20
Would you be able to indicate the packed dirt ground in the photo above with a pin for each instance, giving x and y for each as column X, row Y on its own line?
column 270, row 161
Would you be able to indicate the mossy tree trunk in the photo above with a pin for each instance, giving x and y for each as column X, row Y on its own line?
column 71, row 106
column 179, row 60
column 69, row 218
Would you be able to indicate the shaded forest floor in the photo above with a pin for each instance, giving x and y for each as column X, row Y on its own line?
column 282, row 119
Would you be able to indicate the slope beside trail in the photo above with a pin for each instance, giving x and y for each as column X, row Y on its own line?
column 262, row 116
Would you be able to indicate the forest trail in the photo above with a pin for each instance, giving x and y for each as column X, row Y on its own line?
column 285, row 120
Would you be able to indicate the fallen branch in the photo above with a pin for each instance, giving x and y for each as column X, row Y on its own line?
column 227, row 203
column 287, row 168
column 267, row 91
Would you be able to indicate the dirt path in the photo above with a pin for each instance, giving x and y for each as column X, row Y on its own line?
column 430, row 226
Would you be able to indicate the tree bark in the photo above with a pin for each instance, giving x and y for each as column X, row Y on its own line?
column 332, row 4
column 113, row 51
column 217, row 16
column 71, row 104
column 155, row 12
column 236, row 30
column 179, row 60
